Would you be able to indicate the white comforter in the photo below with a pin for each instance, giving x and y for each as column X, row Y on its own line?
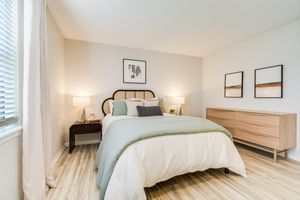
column 147, row 162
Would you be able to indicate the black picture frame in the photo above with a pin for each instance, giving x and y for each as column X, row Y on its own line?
column 241, row 85
column 134, row 82
column 278, row 83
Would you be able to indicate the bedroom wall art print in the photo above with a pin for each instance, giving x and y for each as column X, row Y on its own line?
column 269, row 82
column 134, row 71
column 233, row 85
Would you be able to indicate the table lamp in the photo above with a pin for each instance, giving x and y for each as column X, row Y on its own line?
column 179, row 101
column 81, row 102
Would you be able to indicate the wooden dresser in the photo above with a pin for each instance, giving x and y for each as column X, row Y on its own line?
column 270, row 131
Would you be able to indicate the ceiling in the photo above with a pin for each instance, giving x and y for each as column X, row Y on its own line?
column 188, row 27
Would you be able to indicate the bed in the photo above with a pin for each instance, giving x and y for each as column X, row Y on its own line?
column 138, row 152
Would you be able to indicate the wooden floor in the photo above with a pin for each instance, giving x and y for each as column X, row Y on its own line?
column 75, row 175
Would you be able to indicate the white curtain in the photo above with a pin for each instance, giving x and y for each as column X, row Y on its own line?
column 35, row 96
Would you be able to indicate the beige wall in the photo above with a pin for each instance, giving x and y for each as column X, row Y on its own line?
column 56, row 77
column 97, row 70
column 279, row 46
column 11, row 169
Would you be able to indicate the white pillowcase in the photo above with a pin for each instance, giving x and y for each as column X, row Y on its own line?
column 151, row 103
column 131, row 107
column 140, row 102
column 110, row 105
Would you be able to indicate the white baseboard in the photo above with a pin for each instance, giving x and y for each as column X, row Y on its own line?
column 54, row 160
column 84, row 142
column 294, row 160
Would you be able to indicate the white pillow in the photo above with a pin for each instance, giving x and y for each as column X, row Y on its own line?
column 151, row 103
column 110, row 105
column 131, row 107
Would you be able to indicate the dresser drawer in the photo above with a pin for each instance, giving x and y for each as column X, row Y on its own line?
column 259, row 129
column 275, row 130
column 257, row 118
column 222, row 122
column 220, row 114
column 268, row 141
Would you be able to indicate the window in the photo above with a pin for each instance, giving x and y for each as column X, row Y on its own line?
column 9, row 64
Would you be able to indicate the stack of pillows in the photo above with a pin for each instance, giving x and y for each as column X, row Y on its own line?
column 137, row 107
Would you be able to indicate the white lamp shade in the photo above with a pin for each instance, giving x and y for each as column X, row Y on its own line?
column 81, row 101
column 179, row 100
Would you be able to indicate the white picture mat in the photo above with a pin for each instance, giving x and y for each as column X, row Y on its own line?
column 268, row 92
column 268, row 75
column 127, row 74
column 233, row 92
column 234, row 79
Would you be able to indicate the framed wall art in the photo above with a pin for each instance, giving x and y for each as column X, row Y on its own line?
column 269, row 82
column 134, row 71
column 233, row 85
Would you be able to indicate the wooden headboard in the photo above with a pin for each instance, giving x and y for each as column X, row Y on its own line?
column 127, row 94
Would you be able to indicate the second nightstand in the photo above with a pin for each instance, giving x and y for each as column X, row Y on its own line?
column 83, row 128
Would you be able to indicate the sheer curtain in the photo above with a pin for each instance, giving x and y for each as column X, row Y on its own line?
column 35, row 94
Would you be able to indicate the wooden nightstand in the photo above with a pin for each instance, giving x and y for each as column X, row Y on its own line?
column 83, row 128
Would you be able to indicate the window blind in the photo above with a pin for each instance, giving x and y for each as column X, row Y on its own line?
column 8, row 62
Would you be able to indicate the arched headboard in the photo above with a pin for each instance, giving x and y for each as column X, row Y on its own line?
column 127, row 94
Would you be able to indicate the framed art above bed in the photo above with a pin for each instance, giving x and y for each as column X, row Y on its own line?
column 134, row 71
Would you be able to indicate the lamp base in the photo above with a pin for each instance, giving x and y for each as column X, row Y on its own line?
column 82, row 118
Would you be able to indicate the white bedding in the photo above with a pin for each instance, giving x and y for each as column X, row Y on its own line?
column 147, row 162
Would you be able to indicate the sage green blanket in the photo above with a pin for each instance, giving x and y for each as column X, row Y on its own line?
column 124, row 132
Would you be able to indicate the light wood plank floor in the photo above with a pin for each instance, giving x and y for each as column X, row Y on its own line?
column 75, row 175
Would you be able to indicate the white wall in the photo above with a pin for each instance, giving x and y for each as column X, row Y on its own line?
column 279, row 46
column 96, row 70
column 11, row 169
column 56, row 77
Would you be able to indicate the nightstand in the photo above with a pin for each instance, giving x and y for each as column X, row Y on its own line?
column 83, row 128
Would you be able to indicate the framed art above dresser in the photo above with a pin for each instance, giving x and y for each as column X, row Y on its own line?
column 269, row 131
